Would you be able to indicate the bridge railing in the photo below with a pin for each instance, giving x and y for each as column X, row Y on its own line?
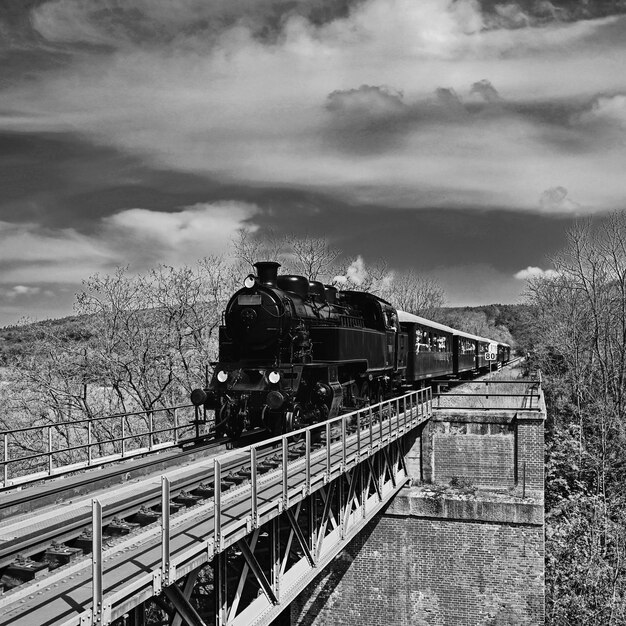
column 365, row 446
column 491, row 395
column 35, row 452
column 328, row 450
column 274, row 476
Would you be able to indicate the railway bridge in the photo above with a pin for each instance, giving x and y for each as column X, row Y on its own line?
column 235, row 536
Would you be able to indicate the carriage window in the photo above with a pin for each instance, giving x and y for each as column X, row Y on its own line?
column 467, row 346
column 422, row 343
column 434, row 342
column 391, row 319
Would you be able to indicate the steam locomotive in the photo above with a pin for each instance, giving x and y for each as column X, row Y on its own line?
column 294, row 352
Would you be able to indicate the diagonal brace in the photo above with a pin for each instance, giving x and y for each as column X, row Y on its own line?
column 183, row 606
column 327, row 496
column 374, row 478
column 300, row 537
column 325, row 515
column 401, row 459
column 389, row 466
column 257, row 571
column 350, row 500
column 187, row 589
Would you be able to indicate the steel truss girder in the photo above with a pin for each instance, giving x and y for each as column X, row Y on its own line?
column 332, row 487
column 304, row 539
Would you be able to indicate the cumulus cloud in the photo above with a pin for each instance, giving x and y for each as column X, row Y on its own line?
column 486, row 91
column 37, row 250
column 140, row 238
column 535, row 272
column 556, row 200
column 19, row 290
column 609, row 110
column 366, row 101
column 25, row 290
column 368, row 119
column 449, row 98
column 178, row 237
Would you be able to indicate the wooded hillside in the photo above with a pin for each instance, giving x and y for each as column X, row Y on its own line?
column 578, row 337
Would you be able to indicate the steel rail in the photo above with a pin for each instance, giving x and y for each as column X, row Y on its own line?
column 58, row 487
column 189, row 553
column 35, row 543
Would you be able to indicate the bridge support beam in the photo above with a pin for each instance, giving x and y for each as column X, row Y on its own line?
column 180, row 600
column 257, row 577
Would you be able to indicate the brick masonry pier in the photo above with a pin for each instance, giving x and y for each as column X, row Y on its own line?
column 463, row 545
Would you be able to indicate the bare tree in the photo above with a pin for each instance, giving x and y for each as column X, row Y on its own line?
column 408, row 290
column 248, row 248
column 580, row 343
column 153, row 334
column 415, row 293
column 312, row 257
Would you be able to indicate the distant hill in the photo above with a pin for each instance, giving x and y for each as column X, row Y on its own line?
column 504, row 322
column 19, row 340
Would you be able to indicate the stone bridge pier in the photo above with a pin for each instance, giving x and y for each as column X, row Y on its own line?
column 462, row 544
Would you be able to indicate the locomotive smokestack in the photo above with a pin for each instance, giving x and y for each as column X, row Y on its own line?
column 267, row 271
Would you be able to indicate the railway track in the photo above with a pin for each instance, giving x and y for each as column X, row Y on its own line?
column 56, row 487
column 34, row 546
column 51, row 540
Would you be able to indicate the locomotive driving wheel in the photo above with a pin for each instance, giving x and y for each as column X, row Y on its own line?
column 293, row 420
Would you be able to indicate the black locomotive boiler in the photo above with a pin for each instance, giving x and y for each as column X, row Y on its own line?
column 293, row 352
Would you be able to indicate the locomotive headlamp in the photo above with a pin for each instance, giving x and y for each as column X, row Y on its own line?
column 249, row 281
column 273, row 377
column 222, row 376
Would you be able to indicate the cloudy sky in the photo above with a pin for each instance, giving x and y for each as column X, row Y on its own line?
column 461, row 138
